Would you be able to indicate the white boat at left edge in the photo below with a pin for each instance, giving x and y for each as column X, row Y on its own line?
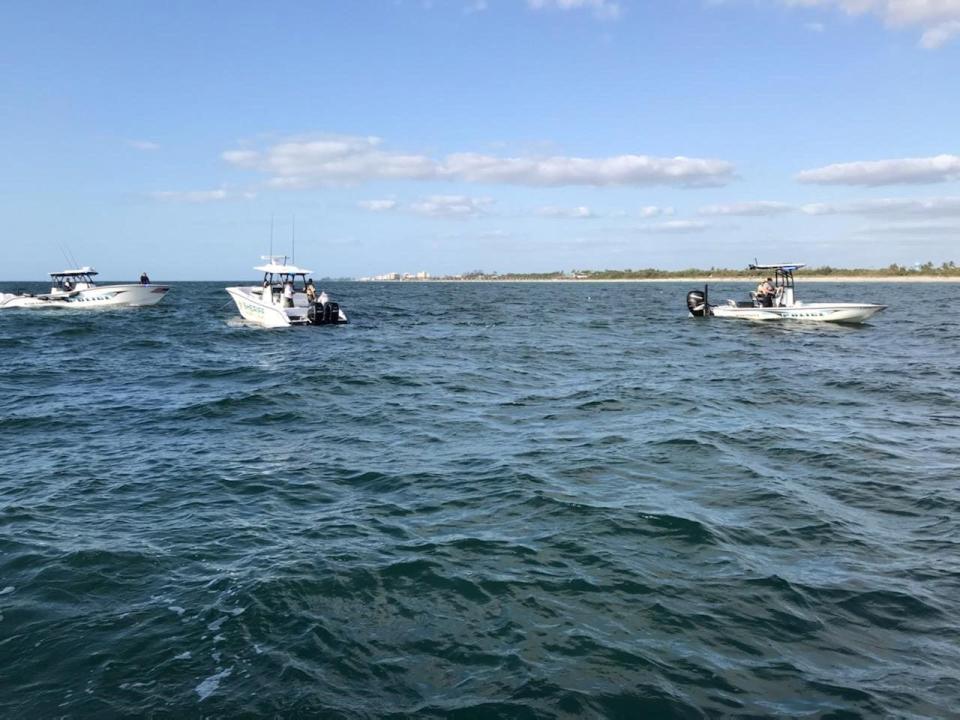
column 77, row 289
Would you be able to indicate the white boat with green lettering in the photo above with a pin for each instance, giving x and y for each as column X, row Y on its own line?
column 287, row 296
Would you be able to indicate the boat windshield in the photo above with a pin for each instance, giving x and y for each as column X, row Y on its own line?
column 279, row 279
column 70, row 280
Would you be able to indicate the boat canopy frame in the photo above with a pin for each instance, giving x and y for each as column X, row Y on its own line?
column 84, row 275
column 782, row 274
column 279, row 279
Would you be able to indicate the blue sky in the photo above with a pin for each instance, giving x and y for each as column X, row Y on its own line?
column 452, row 135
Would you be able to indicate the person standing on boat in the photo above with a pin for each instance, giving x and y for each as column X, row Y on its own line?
column 765, row 292
column 311, row 291
column 288, row 293
column 144, row 279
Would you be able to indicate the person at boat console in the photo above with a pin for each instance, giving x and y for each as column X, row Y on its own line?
column 765, row 293
column 288, row 293
column 144, row 278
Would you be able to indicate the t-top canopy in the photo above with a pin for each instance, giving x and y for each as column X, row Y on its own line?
column 787, row 267
column 74, row 273
column 278, row 266
column 277, row 269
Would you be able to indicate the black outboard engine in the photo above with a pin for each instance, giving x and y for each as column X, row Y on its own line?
column 327, row 313
column 334, row 310
column 697, row 303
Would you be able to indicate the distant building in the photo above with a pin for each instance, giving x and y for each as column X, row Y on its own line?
column 395, row 276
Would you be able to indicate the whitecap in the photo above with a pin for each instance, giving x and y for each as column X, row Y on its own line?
column 215, row 625
column 209, row 686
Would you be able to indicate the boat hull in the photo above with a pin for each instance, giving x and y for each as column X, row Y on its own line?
column 812, row 312
column 102, row 296
column 254, row 309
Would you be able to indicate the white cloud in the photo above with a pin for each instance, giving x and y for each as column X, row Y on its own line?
column 920, row 229
column 335, row 159
column 476, row 6
column 194, row 196
column 145, row 145
column 891, row 207
column 653, row 211
column 241, row 158
column 580, row 211
column 940, row 168
column 451, row 206
column 754, row 208
column 940, row 35
column 938, row 20
column 562, row 170
column 378, row 205
column 676, row 226
column 602, row 9
column 301, row 163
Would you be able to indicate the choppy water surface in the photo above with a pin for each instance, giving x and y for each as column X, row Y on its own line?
column 501, row 500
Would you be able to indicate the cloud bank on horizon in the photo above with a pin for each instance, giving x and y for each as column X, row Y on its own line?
column 303, row 163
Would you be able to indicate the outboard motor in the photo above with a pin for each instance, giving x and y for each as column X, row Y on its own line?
column 697, row 303
column 327, row 313
column 334, row 312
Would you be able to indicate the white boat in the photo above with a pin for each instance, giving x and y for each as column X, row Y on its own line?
column 284, row 298
column 782, row 305
column 77, row 289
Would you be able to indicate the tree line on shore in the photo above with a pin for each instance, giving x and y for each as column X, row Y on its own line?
column 927, row 269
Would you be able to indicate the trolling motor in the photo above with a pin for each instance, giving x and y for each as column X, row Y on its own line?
column 697, row 303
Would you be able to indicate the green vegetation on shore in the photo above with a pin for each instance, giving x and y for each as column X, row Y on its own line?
column 928, row 269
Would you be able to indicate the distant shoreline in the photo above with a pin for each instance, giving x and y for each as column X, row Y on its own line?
column 692, row 279
column 800, row 279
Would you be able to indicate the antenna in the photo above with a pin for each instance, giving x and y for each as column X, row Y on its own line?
column 64, row 253
column 271, row 234
column 293, row 242
column 68, row 254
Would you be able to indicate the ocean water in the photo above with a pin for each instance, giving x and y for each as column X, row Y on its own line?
column 490, row 500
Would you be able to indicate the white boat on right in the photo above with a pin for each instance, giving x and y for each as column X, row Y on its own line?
column 780, row 303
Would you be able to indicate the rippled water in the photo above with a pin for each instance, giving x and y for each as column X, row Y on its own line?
column 496, row 500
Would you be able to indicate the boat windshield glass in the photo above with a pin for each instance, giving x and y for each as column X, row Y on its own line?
column 67, row 281
column 299, row 280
